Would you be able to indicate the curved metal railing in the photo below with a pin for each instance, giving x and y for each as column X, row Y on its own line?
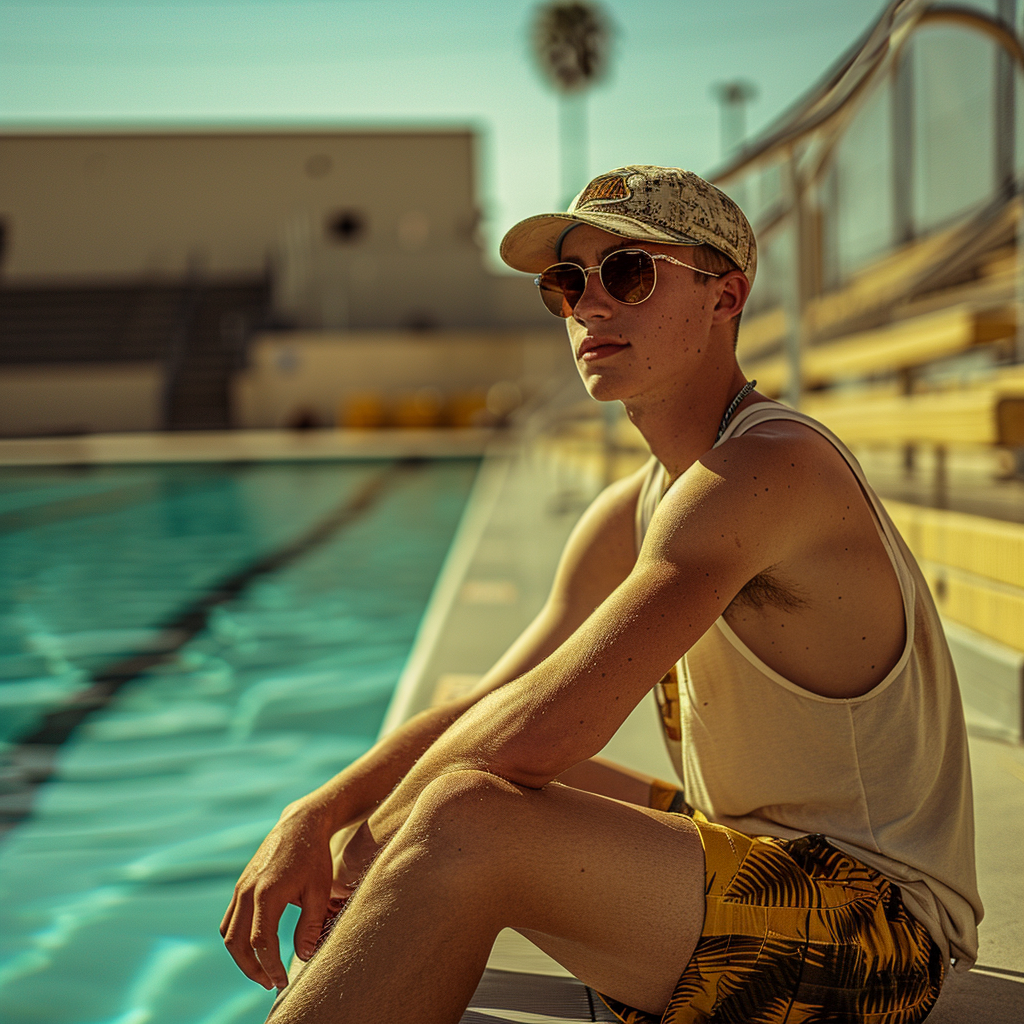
column 804, row 140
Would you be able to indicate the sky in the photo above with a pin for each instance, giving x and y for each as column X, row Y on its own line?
column 467, row 63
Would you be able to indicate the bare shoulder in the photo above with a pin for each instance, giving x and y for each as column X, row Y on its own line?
column 766, row 466
column 776, row 522
column 624, row 492
column 609, row 520
column 758, row 498
column 781, row 463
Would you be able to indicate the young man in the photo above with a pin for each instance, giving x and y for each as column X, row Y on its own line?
column 819, row 861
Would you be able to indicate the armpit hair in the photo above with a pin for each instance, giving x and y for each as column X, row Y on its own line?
column 766, row 589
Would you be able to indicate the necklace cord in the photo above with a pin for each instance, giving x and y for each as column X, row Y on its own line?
column 734, row 405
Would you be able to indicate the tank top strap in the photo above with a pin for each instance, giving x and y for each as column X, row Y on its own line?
column 763, row 412
column 653, row 487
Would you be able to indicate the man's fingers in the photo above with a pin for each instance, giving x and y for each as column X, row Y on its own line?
column 236, row 932
column 263, row 940
column 315, row 908
column 269, row 958
column 228, row 914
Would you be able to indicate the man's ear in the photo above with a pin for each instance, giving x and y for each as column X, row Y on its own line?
column 734, row 289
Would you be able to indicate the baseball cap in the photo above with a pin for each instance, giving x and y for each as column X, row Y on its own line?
column 651, row 204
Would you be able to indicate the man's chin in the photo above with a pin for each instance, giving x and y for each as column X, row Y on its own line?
column 603, row 387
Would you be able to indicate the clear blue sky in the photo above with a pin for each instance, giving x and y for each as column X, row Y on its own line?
column 192, row 63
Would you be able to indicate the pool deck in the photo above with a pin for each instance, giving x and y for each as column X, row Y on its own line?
column 243, row 446
column 496, row 577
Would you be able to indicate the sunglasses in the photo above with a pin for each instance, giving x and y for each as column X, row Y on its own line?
column 627, row 275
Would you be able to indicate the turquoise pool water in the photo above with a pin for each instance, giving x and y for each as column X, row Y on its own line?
column 254, row 619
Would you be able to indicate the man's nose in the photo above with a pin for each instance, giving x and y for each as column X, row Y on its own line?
column 595, row 302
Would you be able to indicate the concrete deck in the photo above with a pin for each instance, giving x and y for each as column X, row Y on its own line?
column 495, row 579
column 243, row 446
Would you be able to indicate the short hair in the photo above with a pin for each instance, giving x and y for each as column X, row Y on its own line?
column 707, row 257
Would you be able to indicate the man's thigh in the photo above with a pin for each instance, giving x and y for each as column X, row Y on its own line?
column 612, row 891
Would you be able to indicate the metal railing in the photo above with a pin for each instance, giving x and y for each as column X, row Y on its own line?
column 802, row 147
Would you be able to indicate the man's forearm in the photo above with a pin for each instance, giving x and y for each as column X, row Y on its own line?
column 471, row 743
column 354, row 792
column 368, row 781
column 319, row 844
column 562, row 711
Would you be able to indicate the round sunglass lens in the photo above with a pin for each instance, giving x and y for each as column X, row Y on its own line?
column 561, row 287
column 628, row 275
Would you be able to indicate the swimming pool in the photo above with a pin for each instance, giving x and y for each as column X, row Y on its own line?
column 185, row 649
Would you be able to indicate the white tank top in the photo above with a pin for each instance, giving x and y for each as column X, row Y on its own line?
column 884, row 776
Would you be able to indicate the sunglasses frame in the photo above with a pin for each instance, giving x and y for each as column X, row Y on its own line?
column 599, row 269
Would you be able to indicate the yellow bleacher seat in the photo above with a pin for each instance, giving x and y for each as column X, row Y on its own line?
column 981, row 415
column 897, row 346
column 974, row 567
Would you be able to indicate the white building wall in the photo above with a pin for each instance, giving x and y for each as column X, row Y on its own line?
column 103, row 208
column 83, row 399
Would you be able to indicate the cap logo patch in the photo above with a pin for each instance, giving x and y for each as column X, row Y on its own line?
column 609, row 188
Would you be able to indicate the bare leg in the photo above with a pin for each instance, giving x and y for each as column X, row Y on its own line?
column 613, row 891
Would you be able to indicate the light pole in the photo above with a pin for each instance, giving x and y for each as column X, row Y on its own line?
column 733, row 98
column 571, row 42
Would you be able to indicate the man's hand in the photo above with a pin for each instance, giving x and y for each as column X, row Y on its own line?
column 298, row 862
column 292, row 865
column 353, row 848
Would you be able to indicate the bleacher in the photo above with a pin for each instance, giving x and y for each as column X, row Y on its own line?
column 914, row 353
column 197, row 331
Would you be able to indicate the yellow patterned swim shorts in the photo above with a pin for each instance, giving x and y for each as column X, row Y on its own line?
column 796, row 931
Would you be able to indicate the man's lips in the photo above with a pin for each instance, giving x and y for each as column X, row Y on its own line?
column 599, row 348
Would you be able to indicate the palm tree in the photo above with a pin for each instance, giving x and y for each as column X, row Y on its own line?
column 571, row 43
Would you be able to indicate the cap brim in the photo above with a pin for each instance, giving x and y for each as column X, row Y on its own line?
column 531, row 244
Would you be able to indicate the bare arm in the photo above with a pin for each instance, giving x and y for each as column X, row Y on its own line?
column 708, row 539
column 294, row 863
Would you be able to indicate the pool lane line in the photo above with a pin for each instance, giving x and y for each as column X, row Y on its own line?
column 32, row 760
column 63, row 509
column 111, row 499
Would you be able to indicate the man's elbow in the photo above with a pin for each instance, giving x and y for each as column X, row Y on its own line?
column 510, row 735
column 533, row 761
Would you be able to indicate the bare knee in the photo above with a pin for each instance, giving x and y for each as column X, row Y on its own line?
column 460, row 826
column 465, row 801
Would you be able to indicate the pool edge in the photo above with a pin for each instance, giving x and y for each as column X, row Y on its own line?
column 245, row 446
column 410, row 695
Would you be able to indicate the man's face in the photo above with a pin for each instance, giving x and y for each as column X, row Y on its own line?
column 626, row 351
